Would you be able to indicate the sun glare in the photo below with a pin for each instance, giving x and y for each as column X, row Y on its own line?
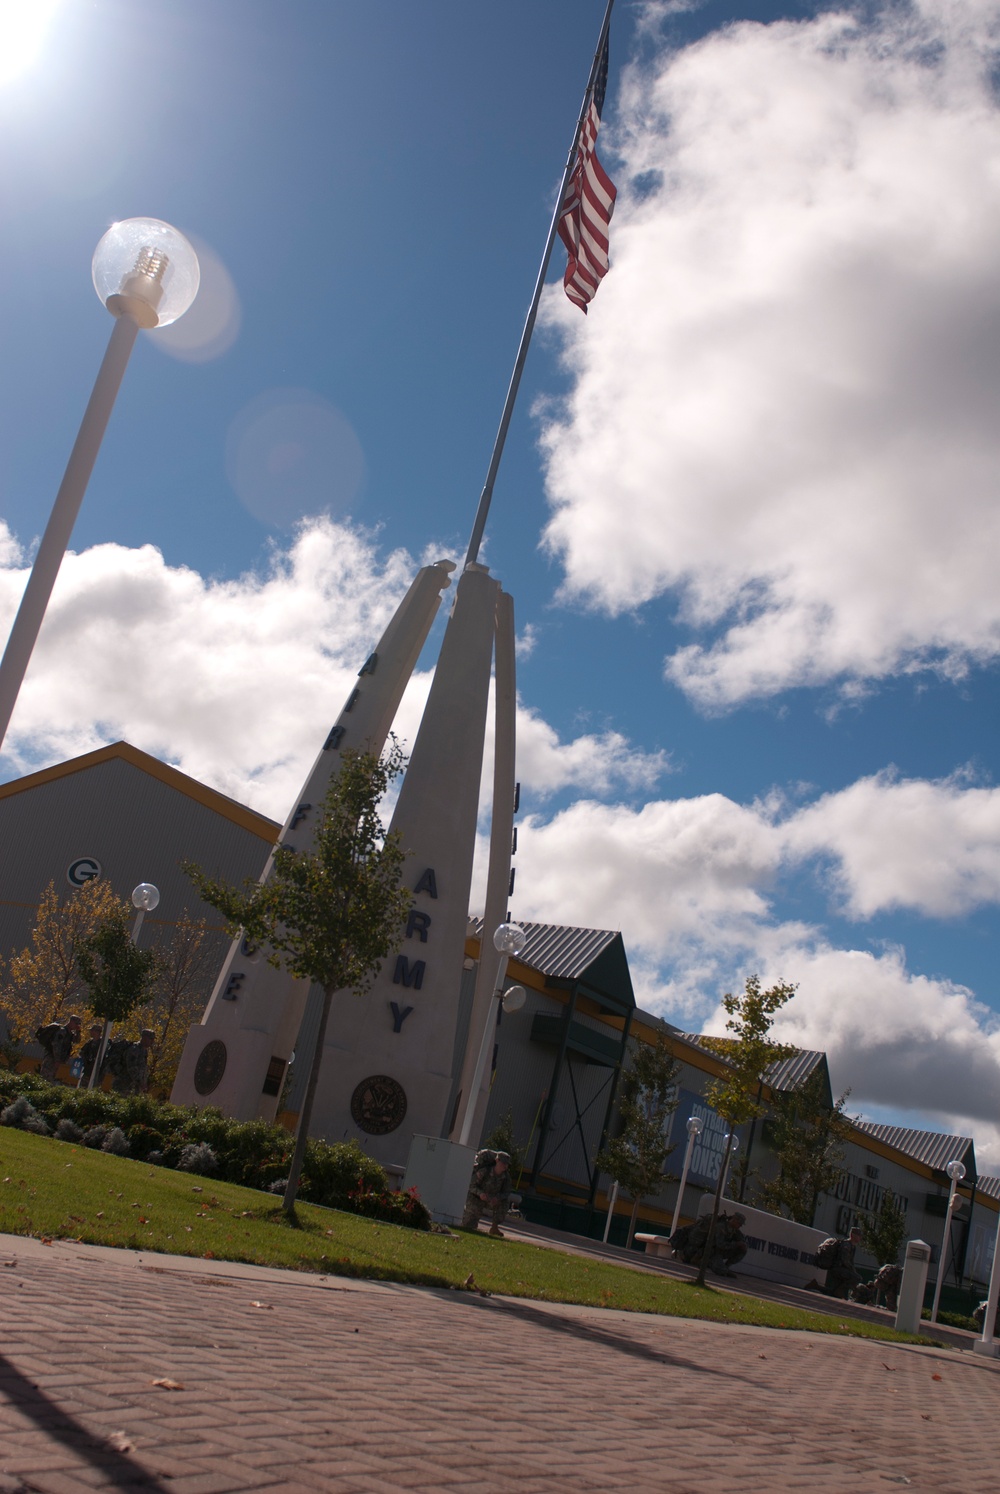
column 24, row 25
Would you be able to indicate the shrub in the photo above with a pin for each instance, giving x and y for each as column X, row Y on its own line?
column 67, row 1130
column 95, row 1136
column 115, row 1142
column 198, row 1157
column 24, row 1117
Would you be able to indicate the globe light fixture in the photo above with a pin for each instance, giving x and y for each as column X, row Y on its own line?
column 146, row 897
column 695, row 1126
column 146, row 274
column 956, row 1172
column 509, row 939
column 146, row 270
column 514, row 998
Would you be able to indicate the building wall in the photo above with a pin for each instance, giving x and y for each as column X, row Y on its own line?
column 136, row 827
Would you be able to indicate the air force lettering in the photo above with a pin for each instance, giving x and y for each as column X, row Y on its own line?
column 403, row 1033
column 237, row 1056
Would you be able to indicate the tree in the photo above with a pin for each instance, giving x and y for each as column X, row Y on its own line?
column 736, row 1094
column 330, row 915
column 636, row 1156
column 187, row 963
column 883, row 1233
column 808, row 1138
column 117, row 974
column 44, row 982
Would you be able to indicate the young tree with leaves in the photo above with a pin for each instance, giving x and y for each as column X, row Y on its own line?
column 648, row 1097
column 883, row 1232
column 44, row 982
column 330, row 915
column 749, row 1052
column 808, row 1139
column 117, row 974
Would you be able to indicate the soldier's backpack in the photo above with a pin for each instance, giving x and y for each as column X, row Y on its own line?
column 826, row 1255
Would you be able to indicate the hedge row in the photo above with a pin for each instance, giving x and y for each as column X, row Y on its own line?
column 252, row 1153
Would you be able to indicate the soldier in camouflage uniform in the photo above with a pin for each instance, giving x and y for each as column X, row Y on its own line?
column 729, row 1244
column 841, row 1277
column 489, row 1191
column 57, row 1045
column 132, row 1069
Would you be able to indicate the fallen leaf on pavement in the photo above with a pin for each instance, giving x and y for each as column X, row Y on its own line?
column 120, row 1442
column 167, row 1384
column 935, row 1377
column 47, row 1240
column 888, row 1367
column 265, row 1305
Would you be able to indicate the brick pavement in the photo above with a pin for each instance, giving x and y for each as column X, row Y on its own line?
column 293, row 1382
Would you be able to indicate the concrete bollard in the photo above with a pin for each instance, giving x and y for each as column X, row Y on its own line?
column 911, row 1291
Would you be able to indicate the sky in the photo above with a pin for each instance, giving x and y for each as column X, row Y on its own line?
column 747, row 510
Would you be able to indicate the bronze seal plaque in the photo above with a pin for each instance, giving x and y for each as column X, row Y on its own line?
column 211, row 1066
column 378, row 1105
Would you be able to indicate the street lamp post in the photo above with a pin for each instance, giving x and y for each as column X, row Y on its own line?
column 956, row 1172
column 145, row 898
column 509, row 939
column 147, row 274
column 695, row 1126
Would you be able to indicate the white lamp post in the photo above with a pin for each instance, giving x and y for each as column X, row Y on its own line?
column 147, row 274
column 695, row 1126
column 145, row 898
column 508, row 940
column 956, row 1172
column 986, row 1343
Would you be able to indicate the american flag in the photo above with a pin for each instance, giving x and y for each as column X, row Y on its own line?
column 588, row 204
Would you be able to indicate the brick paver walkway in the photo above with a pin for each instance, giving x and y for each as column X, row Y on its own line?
column 300, row 1383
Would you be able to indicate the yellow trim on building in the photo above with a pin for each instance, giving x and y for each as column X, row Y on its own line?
column 209, row 798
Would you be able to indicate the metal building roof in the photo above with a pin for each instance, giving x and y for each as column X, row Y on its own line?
column 989, row 1186
column 558, row 951
column 594, row 957
column 932, row 1148
column 785, row 1075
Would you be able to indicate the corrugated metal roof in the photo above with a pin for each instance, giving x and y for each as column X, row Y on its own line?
column 989, row 1186
column 787, row 1074
column 558, row 951
column 932, row 1148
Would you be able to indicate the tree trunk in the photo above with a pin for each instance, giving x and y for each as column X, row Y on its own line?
column 302, row 1135
column 631, row 1224
column 710, row 1239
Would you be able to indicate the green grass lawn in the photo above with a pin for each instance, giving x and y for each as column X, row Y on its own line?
column 51, row 1189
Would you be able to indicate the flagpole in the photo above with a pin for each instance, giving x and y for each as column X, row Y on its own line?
column 529, row 326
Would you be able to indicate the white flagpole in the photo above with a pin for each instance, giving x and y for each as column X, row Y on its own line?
column 529, row 326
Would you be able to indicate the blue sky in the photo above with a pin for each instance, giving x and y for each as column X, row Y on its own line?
column 748, row 507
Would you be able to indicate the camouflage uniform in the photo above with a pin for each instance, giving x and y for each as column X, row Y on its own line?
column 887, row 1283
column 841, row 1277
column 132, row 1069
column 489, row 1190
column 729, row 1244
column 57, row 1044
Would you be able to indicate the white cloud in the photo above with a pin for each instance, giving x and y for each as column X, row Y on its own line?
column 930, row 847
column 784, row 397
column 237, row 681
column 232, row 681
